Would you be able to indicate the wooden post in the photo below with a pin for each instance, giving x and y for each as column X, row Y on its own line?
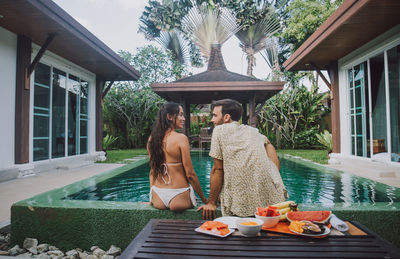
column 244, row 115
column 22, row 97
column 335, row 107
column 99, row 113
column 186, row 111
column 252, row 110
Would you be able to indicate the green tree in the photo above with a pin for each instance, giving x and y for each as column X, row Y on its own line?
column 130, row 108
column 304, row 17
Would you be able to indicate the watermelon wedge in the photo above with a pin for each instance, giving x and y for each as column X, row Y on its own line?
column 313, row 216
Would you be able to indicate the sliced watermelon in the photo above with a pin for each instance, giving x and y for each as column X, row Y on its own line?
column 262, row 212
column 313, row 216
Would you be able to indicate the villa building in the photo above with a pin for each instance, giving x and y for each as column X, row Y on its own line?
column 52, row 73
column 359, row 45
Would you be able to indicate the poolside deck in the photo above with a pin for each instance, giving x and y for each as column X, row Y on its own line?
column 23, row 188
column 376, row 171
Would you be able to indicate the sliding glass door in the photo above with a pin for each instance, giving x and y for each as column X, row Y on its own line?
column 374, row 97
column 358, row 87
column 60, row 114
column 394, row 100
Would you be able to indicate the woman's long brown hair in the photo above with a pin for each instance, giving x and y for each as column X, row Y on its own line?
column 162, row 124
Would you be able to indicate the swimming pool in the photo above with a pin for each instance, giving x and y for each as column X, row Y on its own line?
column 305, row 185
column 54, row 217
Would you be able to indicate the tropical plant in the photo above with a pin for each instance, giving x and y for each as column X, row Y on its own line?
column 253, row 38
column 204, row 22
column 107, row 141
column 130, row 108
column 325, row 139
column 294, row 116
column 207, row 25
column 270, row 55
column 174, row 42
column 303, row 18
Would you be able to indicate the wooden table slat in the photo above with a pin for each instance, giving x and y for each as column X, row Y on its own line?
column 265, row 242
column 266, row 249
column 260, row 254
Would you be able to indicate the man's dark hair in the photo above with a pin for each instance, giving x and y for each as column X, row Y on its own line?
column 229, row 106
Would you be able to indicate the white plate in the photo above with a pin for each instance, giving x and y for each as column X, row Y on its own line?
column 326, row 232
column 230, row 221
column 208, row 232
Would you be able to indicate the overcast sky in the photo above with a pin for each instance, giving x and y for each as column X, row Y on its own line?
column 116, row 23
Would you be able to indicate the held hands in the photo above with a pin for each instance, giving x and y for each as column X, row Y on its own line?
column 209, row 211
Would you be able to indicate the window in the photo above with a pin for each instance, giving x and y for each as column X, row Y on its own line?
column 60, row 115
column 41, row 112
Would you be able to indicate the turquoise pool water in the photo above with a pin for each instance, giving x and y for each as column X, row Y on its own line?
column 305, row 185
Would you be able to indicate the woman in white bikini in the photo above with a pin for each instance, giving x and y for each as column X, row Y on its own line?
column 171, row 166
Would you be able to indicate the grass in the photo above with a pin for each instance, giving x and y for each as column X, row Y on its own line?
column 318, row 156
column 118, row 156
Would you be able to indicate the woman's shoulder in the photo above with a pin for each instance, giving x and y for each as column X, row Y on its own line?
column 179, row 136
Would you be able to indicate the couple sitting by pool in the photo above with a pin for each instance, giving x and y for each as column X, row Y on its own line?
column 245, row 174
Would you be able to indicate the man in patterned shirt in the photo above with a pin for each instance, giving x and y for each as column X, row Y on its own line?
column 245, row 174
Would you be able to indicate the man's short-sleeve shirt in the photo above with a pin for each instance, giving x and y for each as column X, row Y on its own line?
column 251, row 179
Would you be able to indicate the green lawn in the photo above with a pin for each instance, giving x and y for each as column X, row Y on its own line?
column 318, row 156
column 118, row 156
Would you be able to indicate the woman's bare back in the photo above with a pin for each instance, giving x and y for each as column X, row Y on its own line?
column 173, row 161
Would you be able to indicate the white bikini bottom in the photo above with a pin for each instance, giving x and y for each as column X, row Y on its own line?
column 166, row 195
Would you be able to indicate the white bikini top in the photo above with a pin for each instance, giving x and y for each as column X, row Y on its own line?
column 166, row 171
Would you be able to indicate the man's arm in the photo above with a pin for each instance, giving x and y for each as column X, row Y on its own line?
column 216, row 181
column 271, row 153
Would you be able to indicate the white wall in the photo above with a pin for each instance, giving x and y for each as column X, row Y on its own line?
column 8, row 63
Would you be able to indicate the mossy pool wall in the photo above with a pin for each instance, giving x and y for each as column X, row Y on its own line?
column 69, row 224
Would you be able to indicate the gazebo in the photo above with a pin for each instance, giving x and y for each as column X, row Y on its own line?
column 218, row 83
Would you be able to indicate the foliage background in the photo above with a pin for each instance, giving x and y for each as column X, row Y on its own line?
column 130, row 108
column 291, row 119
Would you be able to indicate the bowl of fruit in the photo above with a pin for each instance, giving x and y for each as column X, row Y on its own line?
column 270, row 216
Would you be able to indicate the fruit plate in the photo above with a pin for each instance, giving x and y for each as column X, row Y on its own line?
column 230, row 221
column 208, row 232
column 324, row 233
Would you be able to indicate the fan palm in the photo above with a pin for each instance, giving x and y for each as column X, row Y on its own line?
column 252, row 38
column 175, row 43
column 209, row 25
column 270, row 55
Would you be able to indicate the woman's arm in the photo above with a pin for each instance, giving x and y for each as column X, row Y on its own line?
column 151, row 178
column 188, row 167
column 271, row 153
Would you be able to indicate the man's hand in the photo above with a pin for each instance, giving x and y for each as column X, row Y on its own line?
column 209, row 211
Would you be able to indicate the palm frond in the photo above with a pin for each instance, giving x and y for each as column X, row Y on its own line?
column 174, row 42
column 270, row 53
column 254, row 36
column 206, row 26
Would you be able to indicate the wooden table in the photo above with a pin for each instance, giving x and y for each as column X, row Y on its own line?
column 162, row 238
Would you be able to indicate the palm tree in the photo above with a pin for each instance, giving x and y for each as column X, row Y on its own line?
column 252, row 38
column 174, row 42
column 207, row 25
column 270, row 55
